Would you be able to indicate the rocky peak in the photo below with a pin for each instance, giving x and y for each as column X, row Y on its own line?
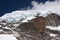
column 39, row 22
column 34, row 29
column 53, row 19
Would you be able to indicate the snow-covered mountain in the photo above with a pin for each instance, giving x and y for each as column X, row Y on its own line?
column 31, row 25
column 24, row 15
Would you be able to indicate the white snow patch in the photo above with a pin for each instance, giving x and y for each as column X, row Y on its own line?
column 53, row 28
column 7, row 37
column 16, row 25
column 0, row 26
column 4, row 23
column 6, row 27
column 1, row 30
column 26, row 20
column 52, row 35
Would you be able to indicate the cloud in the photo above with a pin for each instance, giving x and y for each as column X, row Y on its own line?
column 42, row 8
column 54, row 6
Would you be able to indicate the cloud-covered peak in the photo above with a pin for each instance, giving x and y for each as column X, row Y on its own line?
column 49, row 5
column 20, row 15
column 38, row 8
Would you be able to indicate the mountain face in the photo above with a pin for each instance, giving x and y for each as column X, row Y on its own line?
column 40, row 23
column 53, row 19
column 36, row 28
column 24, row 15
column 32, row 27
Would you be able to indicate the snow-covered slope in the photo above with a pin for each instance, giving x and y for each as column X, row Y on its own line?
column 53, row 27
column 7, row 37
column 24, row 15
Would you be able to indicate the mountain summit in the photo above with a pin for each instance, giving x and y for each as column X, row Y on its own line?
column 31, row 25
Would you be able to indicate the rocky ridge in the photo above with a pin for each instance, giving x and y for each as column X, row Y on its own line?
column 34, row 29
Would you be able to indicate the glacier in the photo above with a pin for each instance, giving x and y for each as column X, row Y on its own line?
column 24, row 15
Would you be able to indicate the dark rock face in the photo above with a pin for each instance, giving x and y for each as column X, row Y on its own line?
column 53, row 19
column 39, row 23
column 30, row 32
column 35, row 28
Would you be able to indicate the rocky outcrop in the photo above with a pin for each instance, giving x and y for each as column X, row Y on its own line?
column 39, row 23
column 53, row 19
column 29, row 32
column 36, row 29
